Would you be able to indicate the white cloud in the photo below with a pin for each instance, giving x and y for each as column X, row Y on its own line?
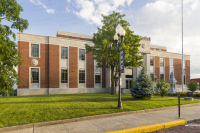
column 161, row 20
column 91, row 10
column 38, row 2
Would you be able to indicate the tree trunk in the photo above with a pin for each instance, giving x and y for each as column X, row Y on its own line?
column 112, row 81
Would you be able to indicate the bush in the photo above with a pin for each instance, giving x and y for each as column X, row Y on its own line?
column 192, row 86
column 183, row 94
column 163, row 88
column 144, row 87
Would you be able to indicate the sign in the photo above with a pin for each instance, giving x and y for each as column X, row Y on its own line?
column 122, row 59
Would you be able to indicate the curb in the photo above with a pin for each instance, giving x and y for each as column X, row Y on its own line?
column 5, row 129
column 153, row 127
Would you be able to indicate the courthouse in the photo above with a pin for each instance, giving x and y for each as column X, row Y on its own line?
column 60, row 65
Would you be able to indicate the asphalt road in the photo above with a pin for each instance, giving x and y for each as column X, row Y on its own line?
column 189, row 128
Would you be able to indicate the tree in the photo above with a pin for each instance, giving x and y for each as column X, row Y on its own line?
column 163, row 87
column 144, row 86
column 192, row 86
column 9, row 56
column 105, row 50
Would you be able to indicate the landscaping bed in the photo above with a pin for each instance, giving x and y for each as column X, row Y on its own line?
column 33, row 109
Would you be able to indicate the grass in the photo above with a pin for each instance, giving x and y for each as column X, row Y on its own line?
column 33, row 109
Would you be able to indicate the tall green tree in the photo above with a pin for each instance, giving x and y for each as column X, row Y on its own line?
column 9, row 56
column 105, row 50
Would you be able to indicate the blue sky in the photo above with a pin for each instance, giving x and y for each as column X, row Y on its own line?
column 158, row 19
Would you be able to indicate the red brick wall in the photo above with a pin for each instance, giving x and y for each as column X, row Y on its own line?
column 23, row 70
column 157, row 67
column 167, row 77
column 89, row 70
column 61, row 36
column 187, row 71
column 53, row 66
column 44, row 69
column 178, row 70
column 197, row 80
column 42, row 63
column 73, row 67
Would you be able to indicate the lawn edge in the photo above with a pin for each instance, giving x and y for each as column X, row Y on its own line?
column 5, row 129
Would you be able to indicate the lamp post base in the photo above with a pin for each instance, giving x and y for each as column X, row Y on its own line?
column 119, row 105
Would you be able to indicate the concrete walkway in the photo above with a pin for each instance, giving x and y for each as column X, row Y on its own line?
column 114, row 122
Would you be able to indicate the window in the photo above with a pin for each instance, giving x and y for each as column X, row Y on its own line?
column 64, row 76
column 70, row 37
column 34, row 75
column 78, row 38
column 160, row 50
column 86, row 39
column 162, row 62
column 81, row 76
column 162, row 77
column 155, row 49
column 64, row 53
column 151, row 61
column 171, row 65
column 35, row 50
column 184, row 65
column 152, row 77
column 97, row 77
column 152, row 68
column 81, row 54
column 184, row 80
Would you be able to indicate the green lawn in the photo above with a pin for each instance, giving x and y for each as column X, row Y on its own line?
column 33, row 109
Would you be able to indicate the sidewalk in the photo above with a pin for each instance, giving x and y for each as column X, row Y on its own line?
column 117, row 121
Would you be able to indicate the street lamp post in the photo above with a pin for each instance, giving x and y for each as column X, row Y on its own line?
column 118, row 37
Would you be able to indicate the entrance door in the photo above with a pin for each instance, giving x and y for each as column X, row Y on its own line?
column 128, row 84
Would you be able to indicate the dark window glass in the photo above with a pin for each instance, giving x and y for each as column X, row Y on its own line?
column 64, row 53
column 81, row 76
column 97, row 78
column 64, row 76
column 78, row 38
column 152, row 77
column 184, row 80
column 69, row 37
column 34, row 75
column 129, row 76
column 151, row 61
column 81, row 54
column 34, row 50
column 87, row 39
column 162, row 77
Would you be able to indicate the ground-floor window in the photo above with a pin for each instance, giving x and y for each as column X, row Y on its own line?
column 34, row 75
column 81, row 76
column 97, row 77
column 162, row 77
column 128, row 84
column 64, row 76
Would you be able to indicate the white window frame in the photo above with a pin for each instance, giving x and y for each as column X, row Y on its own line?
column 30, row 49
column 30, row 78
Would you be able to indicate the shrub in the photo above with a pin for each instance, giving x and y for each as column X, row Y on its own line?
column 183, row 94
column 163, row 87
column 144, row 87
column 192, row 86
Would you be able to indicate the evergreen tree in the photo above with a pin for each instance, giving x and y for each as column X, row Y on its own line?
column 144, row 87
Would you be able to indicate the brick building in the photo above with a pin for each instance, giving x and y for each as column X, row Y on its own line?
column 59, row 65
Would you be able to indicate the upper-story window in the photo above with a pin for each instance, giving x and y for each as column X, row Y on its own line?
column 184, row 64
column 78, row 38
column 70, row 37
column 64, row 53
column 171, row 65
column 155, row 48
column 86, row 39
column 162, row 62
column 35, row 50
column 151, row 61
column 160, row 50
column 81, row 54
